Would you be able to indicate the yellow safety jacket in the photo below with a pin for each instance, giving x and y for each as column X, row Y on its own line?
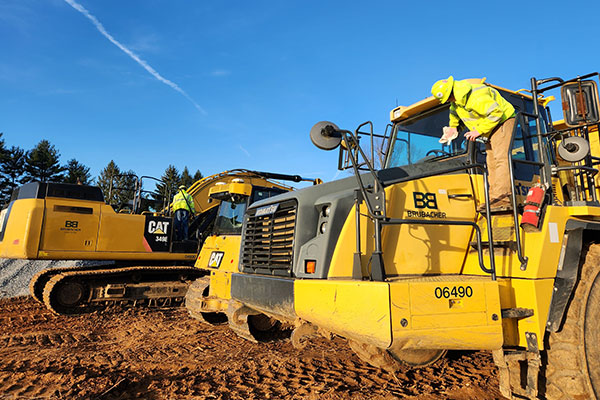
column 183, row 201
column 480, row 107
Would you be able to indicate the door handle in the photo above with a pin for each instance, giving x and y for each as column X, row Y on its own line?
column 460, row 195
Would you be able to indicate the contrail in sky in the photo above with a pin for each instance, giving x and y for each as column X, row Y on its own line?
column 245, row 151
column 131, row 54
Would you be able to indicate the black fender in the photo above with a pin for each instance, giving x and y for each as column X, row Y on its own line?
column 576, row 236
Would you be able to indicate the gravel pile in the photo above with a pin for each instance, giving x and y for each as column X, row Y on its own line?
column 16, row 274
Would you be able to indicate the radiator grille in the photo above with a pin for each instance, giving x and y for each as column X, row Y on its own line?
column 269, row 240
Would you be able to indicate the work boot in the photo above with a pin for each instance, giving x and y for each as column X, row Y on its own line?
column 497, row 205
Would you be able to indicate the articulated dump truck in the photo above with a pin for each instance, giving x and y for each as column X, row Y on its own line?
column 400, row 262
column 54, row 221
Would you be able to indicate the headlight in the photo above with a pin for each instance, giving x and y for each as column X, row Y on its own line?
column 326, row 211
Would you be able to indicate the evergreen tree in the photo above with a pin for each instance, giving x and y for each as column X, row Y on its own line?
column 167, row 188
column 11, row 169
column 126, row 189
column 42, row 164
column 3, row 149
column 106, row 181
column 186, row 179
column 4, row 187
column 77, row 173
column 198, row 175
column 118, row 187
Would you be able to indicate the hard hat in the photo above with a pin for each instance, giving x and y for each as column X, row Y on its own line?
column 181, row 186
column 442, row 89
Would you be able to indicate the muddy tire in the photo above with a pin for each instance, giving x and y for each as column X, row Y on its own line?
column 573, row 368
column 394, row 360
column 417, row 358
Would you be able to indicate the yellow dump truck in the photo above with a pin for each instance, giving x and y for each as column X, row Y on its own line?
column 401, row 263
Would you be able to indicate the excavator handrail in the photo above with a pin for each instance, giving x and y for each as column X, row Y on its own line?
column 201, row 183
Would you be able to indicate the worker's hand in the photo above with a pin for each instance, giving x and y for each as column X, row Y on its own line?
column 472, row 135
column 449, row 134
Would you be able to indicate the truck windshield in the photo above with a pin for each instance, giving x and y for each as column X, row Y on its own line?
column 231, row 216
column 416, row 139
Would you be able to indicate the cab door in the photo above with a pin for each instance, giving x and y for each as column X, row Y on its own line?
column 419, row 249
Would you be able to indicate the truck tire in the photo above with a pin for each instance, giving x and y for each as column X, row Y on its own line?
column 573, row 368
column 393, row 360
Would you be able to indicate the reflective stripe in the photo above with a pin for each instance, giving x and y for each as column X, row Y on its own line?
column 494, row 118
column 473, row 114
column 491, row 108
column 475, row 88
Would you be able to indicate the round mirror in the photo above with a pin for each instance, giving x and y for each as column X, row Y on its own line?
column 573, row 149
column 325, row 135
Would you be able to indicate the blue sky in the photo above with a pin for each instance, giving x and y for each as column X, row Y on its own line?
column 263, row 72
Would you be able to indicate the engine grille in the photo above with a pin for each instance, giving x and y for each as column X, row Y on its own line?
column 269, row 240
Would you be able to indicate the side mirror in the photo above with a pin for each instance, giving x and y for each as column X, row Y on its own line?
column 325, row 135
column 580, row 103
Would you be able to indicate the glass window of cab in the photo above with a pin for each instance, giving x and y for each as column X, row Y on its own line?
column 416, row 139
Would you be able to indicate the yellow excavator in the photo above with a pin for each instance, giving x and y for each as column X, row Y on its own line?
column 401, row 263
column 55, row 221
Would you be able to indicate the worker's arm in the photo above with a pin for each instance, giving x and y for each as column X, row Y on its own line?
column 454, row 119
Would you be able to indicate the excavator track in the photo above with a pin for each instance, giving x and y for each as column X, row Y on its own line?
column 82, row 291
column 39, row 280
column 194, row 302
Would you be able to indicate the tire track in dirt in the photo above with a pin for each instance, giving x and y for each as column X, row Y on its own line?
column 158, row 354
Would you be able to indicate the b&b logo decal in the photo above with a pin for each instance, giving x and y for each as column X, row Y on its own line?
column 215, row 259
column 425, row 200
column 70, row 227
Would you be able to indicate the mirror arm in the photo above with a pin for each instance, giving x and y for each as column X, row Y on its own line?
column 330, row 131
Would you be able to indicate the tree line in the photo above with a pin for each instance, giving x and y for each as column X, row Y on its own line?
column 42, row 164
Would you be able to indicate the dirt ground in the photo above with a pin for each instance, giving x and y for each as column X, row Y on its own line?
column 164, row 354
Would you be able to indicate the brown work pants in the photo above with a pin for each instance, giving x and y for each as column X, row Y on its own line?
column 497, row 160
